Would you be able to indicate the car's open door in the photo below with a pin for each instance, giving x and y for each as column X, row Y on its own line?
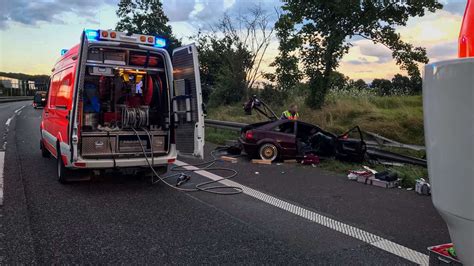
column 187, row 103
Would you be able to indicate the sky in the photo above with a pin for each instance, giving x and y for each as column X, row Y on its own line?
column 33, row 32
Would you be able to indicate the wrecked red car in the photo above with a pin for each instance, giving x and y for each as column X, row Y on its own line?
column 285, row 139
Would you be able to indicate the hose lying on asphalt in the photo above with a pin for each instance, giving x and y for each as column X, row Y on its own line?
column 207, row 166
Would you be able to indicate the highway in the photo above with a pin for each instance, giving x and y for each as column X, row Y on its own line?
column 289, row 214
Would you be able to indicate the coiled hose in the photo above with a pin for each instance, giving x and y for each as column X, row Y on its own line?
column 134, row 117
column 207, row 165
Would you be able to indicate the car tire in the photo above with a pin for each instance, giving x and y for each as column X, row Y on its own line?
column 268, row 151
column 44, row 152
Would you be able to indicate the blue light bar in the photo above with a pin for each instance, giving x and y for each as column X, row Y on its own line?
column 160, row 42
column 64, row 51
column 92, row 35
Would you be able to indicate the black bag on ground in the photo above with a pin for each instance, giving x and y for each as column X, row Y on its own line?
column 386, row 176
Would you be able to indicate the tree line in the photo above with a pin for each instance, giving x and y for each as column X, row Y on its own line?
column 313, row 36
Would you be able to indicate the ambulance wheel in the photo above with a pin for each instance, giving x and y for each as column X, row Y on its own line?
column 62, row 171
column 44, row 152
column 268, row 151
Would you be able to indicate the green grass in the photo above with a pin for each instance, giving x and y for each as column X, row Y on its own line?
column 219, row 136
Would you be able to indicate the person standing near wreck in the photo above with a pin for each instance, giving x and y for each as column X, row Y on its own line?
column 291, row 113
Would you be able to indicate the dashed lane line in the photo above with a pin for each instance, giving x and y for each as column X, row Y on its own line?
column 364, row 236
column 19, row 109
column 9, row 120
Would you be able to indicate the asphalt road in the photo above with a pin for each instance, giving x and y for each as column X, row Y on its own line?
column 123, row 219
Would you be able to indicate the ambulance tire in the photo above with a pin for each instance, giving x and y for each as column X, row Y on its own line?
column 44, row 152
column 62, row 172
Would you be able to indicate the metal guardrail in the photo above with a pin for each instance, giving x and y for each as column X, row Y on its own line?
column 235, row 126
column 4, row 99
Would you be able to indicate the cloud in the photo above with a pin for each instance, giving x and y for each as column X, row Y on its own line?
column 443, row 51
column 455, row 7
column 178, row 10
column 206, row 13
column 382, row 53
column 31, row 12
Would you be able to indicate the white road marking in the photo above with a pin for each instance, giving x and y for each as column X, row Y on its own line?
column 17, row 112
column 19, row 109
column 2, row 160
column 364, row 236
column 9, row 120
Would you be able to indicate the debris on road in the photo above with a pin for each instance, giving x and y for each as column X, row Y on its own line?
column 290, row 161
column 258, row 161
column 368, row 176
column 310, row 159
column 385, row 184
column 422, row 187
column 229, row 159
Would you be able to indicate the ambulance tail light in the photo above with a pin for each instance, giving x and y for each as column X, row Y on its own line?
column 79, row 164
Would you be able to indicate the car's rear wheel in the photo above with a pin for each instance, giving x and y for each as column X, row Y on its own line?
column 268, row 151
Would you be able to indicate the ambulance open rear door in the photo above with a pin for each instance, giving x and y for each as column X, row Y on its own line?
column 187, row 105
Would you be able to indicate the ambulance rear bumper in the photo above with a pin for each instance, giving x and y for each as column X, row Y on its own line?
column 124, row 162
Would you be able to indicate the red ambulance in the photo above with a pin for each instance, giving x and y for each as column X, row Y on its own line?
column 119, row 101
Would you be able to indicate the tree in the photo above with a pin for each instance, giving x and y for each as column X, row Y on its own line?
column 402, row 84
column 145, row 17
column 382, row 86
column 338, row 81
column 323, row 30
column 232, row 54
column 287, row 74
column 223, row 64
column 359, row 84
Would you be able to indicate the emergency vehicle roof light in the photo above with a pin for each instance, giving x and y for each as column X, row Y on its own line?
column 64, row 51
column 92, row 35
column 160, row 42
